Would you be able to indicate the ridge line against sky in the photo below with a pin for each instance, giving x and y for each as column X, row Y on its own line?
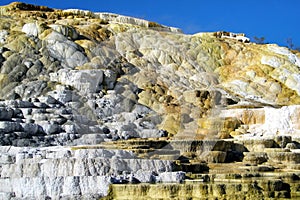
column 276, row 20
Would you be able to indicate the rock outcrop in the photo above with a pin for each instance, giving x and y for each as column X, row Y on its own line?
column 92, row 103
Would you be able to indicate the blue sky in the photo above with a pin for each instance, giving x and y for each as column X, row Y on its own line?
column 276, row 20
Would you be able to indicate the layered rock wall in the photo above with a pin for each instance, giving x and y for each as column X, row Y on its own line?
column 93, row 99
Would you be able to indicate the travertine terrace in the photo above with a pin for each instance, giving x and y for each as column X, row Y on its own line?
column 99, row 105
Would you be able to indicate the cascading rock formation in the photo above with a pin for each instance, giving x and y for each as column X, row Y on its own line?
column 99, row 105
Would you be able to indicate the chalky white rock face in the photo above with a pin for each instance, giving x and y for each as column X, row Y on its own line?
column 55, row 172
column 268, row 121
column 85, row 81
column 74, row 82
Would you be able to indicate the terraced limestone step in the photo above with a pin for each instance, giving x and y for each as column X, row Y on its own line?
column 55, row 187
column 221, row 190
